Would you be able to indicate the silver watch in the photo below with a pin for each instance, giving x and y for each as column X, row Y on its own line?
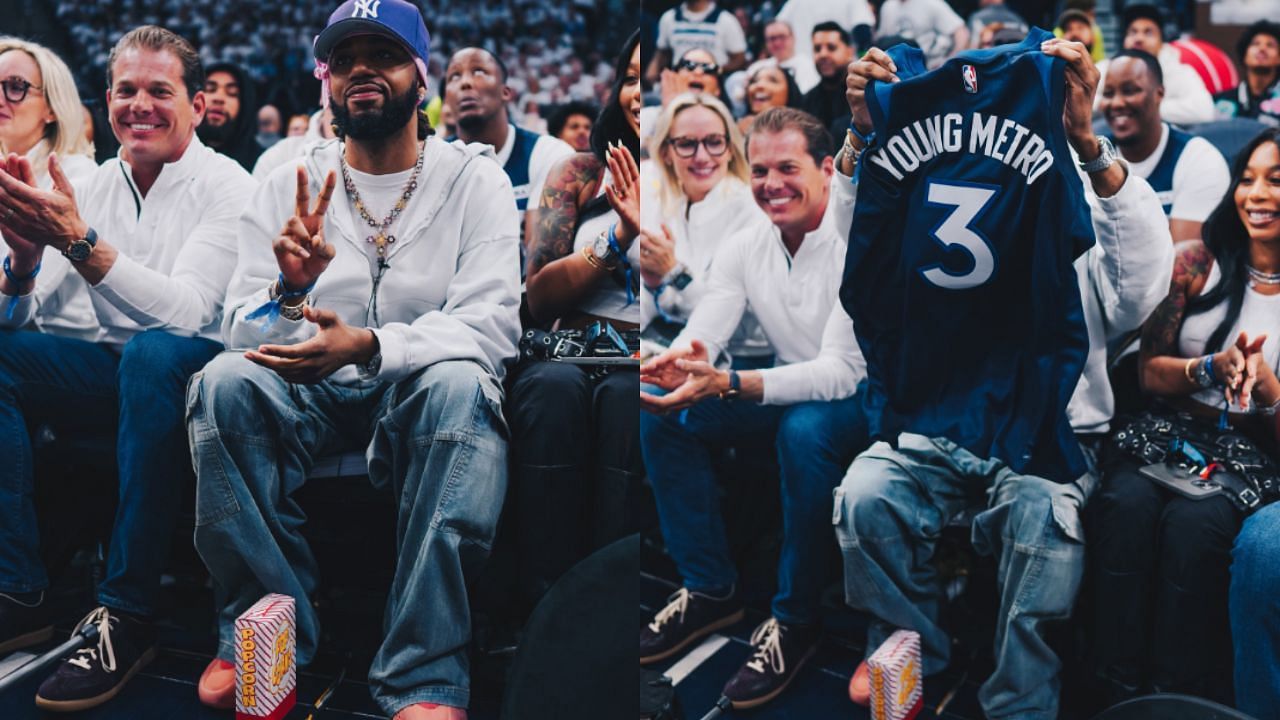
column 1106, row 155
column 603, row 251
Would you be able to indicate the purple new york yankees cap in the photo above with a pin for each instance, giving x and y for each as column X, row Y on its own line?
column 399, row 20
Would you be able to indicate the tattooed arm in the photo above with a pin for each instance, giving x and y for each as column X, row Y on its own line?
column 1162, row 368
column 556, row 275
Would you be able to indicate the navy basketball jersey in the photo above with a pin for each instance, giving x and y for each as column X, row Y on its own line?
column 959, row 272
column 517, row 167
column 1161, row 177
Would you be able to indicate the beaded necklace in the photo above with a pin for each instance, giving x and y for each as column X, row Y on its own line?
column 381, row 239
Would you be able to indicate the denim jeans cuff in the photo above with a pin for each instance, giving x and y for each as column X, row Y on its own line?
column 113, row 602
column 21, row 587
column 452, row 696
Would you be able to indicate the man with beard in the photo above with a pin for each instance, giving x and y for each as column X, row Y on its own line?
column 1188, row 174
column 832, row 54
column 230, row 121
column 385, row 322
column 477, row 92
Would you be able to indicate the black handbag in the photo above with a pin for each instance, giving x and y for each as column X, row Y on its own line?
column 1247, row 475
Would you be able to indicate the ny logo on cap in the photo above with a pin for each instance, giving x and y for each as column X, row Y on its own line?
column 366, row 8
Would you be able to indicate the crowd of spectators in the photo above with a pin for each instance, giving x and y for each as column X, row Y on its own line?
column 556, row 52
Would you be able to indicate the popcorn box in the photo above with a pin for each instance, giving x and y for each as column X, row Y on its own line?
column 896, row 689
column 266, row 676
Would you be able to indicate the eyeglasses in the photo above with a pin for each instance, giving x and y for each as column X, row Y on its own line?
column 709, row 68
column 15, row 89
column 687, row 147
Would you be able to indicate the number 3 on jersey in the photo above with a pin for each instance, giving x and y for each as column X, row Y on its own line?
column 966, row 202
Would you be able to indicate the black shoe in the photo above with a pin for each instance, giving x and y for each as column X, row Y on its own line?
column 96, row 674
column 687, row 617
column 22, row 623
column 781, row 650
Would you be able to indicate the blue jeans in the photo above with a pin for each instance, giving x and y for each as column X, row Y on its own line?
column 889, row 513
column 1255, row 614
column 79, row 389
column 815, row 443
column 438, row 442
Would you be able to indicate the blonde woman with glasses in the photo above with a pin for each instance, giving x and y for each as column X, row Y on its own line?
column 695, row 195
column 41, row 115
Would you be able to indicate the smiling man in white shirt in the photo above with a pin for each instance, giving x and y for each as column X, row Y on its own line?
column 788, row 272
column 154, row 236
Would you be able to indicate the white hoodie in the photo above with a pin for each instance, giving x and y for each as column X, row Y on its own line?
column 452, row 288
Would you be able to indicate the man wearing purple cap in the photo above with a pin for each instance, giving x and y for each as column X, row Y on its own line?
column 381, row 317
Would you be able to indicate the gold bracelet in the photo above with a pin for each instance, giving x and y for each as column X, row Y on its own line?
column 591, row 258
column 1186, row 370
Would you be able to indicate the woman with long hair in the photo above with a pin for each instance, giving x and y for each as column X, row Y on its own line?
column 697, row 196
column 769, row 86
column 1209, row 356
column 41, row 116
column 574, row 428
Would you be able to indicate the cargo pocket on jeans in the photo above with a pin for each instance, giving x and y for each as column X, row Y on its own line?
column 215, row 500
column 857, row 577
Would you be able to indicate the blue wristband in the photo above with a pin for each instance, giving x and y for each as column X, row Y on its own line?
column 8, row 272
column 1208, row 369
column 293, row 294
column 12, row 304
column 867, row 139
column 623, row 262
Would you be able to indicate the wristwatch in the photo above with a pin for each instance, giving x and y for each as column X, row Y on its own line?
column 1106, row 155
column 677, row 277
column 603, row 251
column 80, row 250
column 735, row 387
column 369, row 370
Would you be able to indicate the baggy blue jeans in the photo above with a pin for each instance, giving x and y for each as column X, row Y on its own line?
column 815, row 442
column 81, row 388
column 438, row 442
column 1255, row 614
column 889, row 513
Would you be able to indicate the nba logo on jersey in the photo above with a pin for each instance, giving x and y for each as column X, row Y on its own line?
column 970, row 79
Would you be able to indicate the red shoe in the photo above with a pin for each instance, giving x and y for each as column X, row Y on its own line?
column 217, row 687
column 431, row 711
column 860, row 685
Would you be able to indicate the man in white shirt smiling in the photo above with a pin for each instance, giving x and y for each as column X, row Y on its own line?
column 788, row 272
column 153, row 234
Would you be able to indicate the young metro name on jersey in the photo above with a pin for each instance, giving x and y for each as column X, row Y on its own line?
column 1000, row 139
